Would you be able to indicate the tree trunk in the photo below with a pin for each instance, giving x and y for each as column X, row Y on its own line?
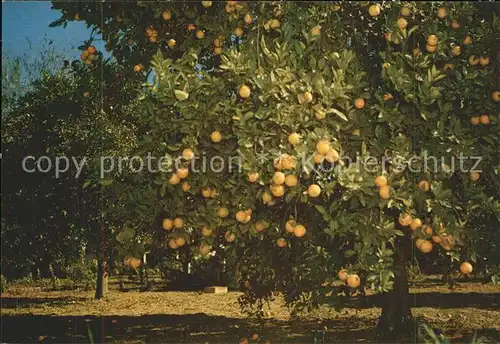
column 102, row 280
column 396, row 321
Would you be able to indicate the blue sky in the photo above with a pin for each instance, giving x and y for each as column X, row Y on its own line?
column 30, row 20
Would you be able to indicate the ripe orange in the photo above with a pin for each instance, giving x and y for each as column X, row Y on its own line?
column 374, row 10
column 259, row 226
column 281, row 242
column 380, row 181
column 313, row 190
column 316, row 31
column 266, row 198
column 248, row 19
column 243, row 341
column 277, row 190
column 342, row 274
column 229, row 236
column 290, row 226
column 86, row 94
column 180, row 241
column 322, row 147
column 238, row 32
column 206, row 4
column 424, row 185
column 291, row 180
column 244, row 91
column 466, row 268
column 191, row 27
column 432, row 40
column 288, row 162
column 185, row 186
column 473, row 60
column 167, row 224
column 384, row 192
column 424, row 246
column 436, row 239
column 427, row 230
column 222, row 212
column 171, row 43
column 475, row 120
column 299, row 231
column 187, row 154
column 402, row 23
column 91, row 49
column 467, row 40
column 405, row 11
column 455, row 25
column 172, row 244
column 415, row 224
column 359, row 103
column 484, row 61
column 178, row 222
column 167, row 15
column 216, row 136
column 137, row 68
column 174, row 179
column 205, row 249
column 206, row 232
column 447, row 241
column 442, row 13
column 206, row 192
column 430, row 48
column 274, row 23
column 496, row 96
column 405, row 219
column 278, row 178
column 455, row 51
column 294, row 138
column 318, row 158
column 217, row 50
column 332, row 155
column 182, row 172
column 199, row 34
column 474, row 176
column 214, row 193
column 353, row 281
column 253, row 177
column 484, row 119
column 305, row 98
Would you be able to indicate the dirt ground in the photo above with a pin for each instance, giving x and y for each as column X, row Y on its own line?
column 31, row 315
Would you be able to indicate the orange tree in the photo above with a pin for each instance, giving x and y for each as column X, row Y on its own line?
column 296, row 92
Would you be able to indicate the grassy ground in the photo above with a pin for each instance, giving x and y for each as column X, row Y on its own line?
column 30, row 315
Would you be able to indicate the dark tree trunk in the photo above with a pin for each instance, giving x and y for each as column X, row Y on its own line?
column 396, row 321
column 102, row 280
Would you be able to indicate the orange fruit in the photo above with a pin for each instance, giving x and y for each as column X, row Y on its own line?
column 384, row 192
column 447, row 241
column 405, row 219
column 332, row 155
column 290, row 226
column 374, row 10
column 187, row 154
column 313, row 190
column 455, row 25
column 266, row 197
column 405, row 11
column 473, row 60
column 424, row 185
column 206, row 192
column 205, row 249
column 288, row 162
column 427, row 230
column 191, row 27
column 216, row 136
column 244, row 91
column 316, row 31
column 475, row 120
column 278, row 178
column 474, row 176
column 430, row 48
column 299, row 231
column 167, row 224
column 294, row 138
column 484, row 119
column 432, row 40
column 185, row 186
column 199, row 34
column 353, row 281
column 86, row 94
column 259, row 226
column 322, row 147
column 456, row 50
column 167, row 15
column 238, row 32
column 217, row 50
column 291, row 180
column 318, row 158
column 415, row 224
column 381, row 181
column 206, row 4
column 222, row 212
column 91, row 49
column 466, row 268
column 206, row 232
column 253, row 177
column 248, row 19
column 274, row 23
column 359, row 103
column 467, row 40
column 229, row 236
column 182, row 172
column 424, row 246
column 305, row 98
column 178, row 222
column 241, row 216
column 172, row 244
column 495, row 96
column 402, row 23
column 171, row 42
column 442, row 13
column 342, row 274
column 277, row 190
column 281, row 242
column 174, row 179
column 436, row 239
column 180, row 241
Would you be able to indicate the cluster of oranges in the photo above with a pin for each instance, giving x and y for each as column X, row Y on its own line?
column 218, row 49
column 384, row 190
column 483, row 119
column 352, row 280
column 483, row 61
column 295, row 228
column 152, row 34
column 177, row 223
column 138, row 68
column 89, row 55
